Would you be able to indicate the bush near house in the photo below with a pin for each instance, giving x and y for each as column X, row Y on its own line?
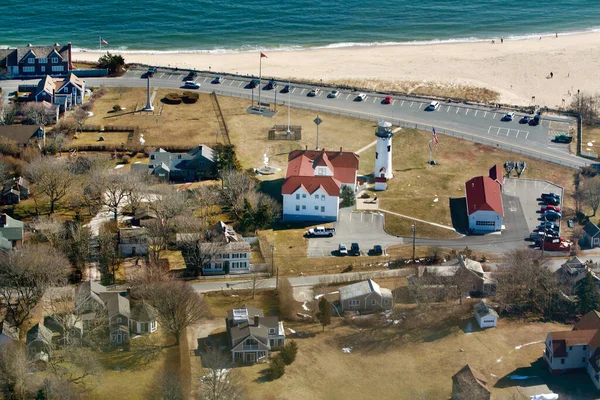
column 276, row 368
column 288, row 353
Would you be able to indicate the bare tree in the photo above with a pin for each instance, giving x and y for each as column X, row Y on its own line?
column 137, row 185
column 195, row 244
column 591, row 193
column 587, row 105
column 75, row 243
column 38, row 114
column 60, row 304
column 14, row 370
column 55, row 389
column 76, row 364
column 80, row 116
column 236, row 187
column 7, row 113
column 206, row 199
column 167, row 385
column 177, row 304
column 116, row 189
column 220, row 381
column 285, row 297
column 25, row 275
column 109, row 257
column 52, row 178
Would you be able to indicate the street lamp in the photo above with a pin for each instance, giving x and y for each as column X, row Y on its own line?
column 413, row 229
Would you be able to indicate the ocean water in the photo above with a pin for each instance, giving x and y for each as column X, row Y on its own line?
column 247, row 25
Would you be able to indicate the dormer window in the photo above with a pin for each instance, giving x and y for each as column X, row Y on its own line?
column 31, row 60
column 320, row 171
column 54, row 60
column 43, row 60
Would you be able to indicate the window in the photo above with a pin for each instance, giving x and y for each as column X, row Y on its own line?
column 316, row 208
column 389, row 148
column 303, row 195
column 373, row 302
column 322, row 197
column 152, row 156
column 585, row 347
column 43, row 69
column 304, row 207
column 119, row 320
column 316, row 197
column 271, row 330
column 54, row 60
column 28, row 69
column 226, row 256
column 144, row 327
column 583, row 359
column 485, row 223
column 43, row 60
column 376, row 155
column 321, row 171
column 570, row 348
column 353, row 303
column 322, row 209
column 271, row 341
column 297, row 207
column 562, row 360
column 57, row 68
column 297, row 196
column 31, row 60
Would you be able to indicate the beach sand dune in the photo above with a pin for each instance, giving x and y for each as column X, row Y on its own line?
column 517, row 69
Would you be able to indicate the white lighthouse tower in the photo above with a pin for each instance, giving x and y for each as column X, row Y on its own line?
column 383, row 151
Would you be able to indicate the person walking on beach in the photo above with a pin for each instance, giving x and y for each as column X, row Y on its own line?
column 493, row 41
column 551, row 75
column 501, row 40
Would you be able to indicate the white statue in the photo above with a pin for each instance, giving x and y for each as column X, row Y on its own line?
column 142, row 140
column 266, row 161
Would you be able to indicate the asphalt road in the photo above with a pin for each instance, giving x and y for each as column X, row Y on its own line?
column 479, row 124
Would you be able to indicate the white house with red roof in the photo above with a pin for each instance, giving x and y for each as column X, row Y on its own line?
column 484, row 202
column 313, row 183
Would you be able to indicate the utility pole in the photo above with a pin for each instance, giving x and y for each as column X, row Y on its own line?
column 413, row 228
column 275, row 89
column 544, row 237
column 289, row 100
column 318, row 121
column 272, row 246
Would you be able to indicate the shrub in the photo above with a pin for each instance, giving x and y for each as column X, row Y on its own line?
column 276, row 368
column 126, row 159
column 116, row 108
column 88, row 105
column 589, row 172
column 99, row 92
column 349, row 268
column 172, row 98
column 288, row 353
column 582, row 218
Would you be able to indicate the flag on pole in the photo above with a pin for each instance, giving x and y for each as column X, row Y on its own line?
column 103, row 41
column 263, row 55
column 435, row 138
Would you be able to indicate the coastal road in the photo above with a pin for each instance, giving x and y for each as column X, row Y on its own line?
column 475, row 123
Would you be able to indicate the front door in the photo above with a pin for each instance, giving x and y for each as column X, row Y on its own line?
column 250, row 357
column 119, row 338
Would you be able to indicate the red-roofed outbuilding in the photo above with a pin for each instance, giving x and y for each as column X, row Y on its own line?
column 484, row 203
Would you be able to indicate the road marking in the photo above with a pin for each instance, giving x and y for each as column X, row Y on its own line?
column 293, row 90
column 526, row 136
column 161, row 75
column 467, row 111
column 402, row 103
column 457, row 109
column 411, row 103
column 448, row 109
column 240, row 84
column 231, row 83
column 347, row 97
column 494, row 117
column 476, row 112
column 374, row 100
column 303, row 90
column 393, row 102
column 484, row 114
column 204, row 80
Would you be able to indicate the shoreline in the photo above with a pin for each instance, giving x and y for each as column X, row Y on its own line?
column 517, row 69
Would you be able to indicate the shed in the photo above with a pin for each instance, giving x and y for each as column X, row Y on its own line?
column 486, row 316
column 365, row 296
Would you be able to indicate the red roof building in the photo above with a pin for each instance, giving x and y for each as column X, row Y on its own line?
column 484, row 202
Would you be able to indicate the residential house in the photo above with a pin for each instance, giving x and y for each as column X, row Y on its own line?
column 14, row 190
column 469, row 384
column 591, row 235
column 485, row 315
column 118, row 316
column 88, row 302
column 11, row 230
column 224, row 250
column 63, row 92
column 39, row 342
column 23, row 135
column 571, row 273
column 366, row 296
column 252, row 335
column 33, row 61
column 197, row 164
column 133, row 242
column 578, row 349
column 468, row 272
column 8, row 333
column 66, row 328
column 143, row 213
column 314, row 181
column 143, row 318
column 484, row 202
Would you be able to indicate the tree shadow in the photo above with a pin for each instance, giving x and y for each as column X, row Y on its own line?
column 212, row 341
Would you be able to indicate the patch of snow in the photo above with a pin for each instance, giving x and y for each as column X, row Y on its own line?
column 396, row 321
column 119, row 166
column 520, row 377
column 590, row 144
column 304, row 306
column 90, row 114
column 347, row 350
column 389, row 321
column 545, row 396
column 499, row 360
column 291, row 330
column 494, row 375
column 527, row 344
column 436, row 200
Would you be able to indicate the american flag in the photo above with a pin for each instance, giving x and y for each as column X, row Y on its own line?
column 263, row 55
column 435, row 138
column 103, row 41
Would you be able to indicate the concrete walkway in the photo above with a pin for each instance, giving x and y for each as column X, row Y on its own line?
column 420, row 220
column 373, row 143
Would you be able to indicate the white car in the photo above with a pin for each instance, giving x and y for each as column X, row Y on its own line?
column 191, row 85
column 342, row 249
column 361, row 97
column 509, row 116
column 434, row 105
column 334, row 94
column 313, row 92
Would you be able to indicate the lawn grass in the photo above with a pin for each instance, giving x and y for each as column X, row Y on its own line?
column 182, row 126
column 416, row 185
column 402, row 227
column 220, row 302
column 91, row 138
column 393, row 362
column 590, row 134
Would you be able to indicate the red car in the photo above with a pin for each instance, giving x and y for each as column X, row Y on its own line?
column 550, row 208
column 387, row 100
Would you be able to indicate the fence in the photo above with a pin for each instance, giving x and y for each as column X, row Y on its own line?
column 406, row 124
column 90, row 73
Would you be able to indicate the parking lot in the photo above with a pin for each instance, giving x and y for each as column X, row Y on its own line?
column 528, row 191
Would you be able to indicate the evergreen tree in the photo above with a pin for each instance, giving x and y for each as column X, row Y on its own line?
column 324, row 313
column 113, row 62
column 588, row 297
column 289, row 351
column 276, row 368
column 348, row 198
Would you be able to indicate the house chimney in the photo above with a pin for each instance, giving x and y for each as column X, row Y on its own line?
column 129, row 291
column 306, row 148
column 340, row 150
column 256, row 317
column 2, row 220
column 71, row 67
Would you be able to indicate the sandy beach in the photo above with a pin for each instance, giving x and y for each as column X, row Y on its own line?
column 517, row 69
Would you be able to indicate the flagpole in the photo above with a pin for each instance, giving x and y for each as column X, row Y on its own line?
column 259, row 78
column 430, row 150
column 100, row 42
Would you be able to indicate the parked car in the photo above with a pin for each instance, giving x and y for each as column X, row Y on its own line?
column 552, row 201
column 377, row 250
column 551, row 215
column 151, row 71
column 563, row 138
column 270, row 85
column 218, row 79
column 547, row 224
column 525, row 119
column 342, row 250
column 535, row 121
column 254, row 83
column 286, row 88
column 314, row 92
column 355, row 249
column 361, row 97
column 550, row 195
column 434, row 105
column 509, row 116
column 387, row 100
column 334, row 94
column 191, row 76
column 320, row 231
column 191, row 85
column 550, row 207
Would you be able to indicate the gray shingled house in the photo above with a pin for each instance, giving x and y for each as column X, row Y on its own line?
column 24, row 135
column 143, row 318
column 197, row 164
column 468, row 384
column 33, row 61
column 118, row 316
column 14, row 190
column 39, row 342
column 252, row 335
column 366, row 296
column 11, row 231
column 591, row 235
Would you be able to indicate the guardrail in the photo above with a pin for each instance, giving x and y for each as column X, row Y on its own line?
column 425, row 127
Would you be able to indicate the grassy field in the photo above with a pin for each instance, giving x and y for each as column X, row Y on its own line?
column 219, row 302
column 183, row 125
column 394, row 362
column 91, row 138
column 591, row 134
column 416, row 185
